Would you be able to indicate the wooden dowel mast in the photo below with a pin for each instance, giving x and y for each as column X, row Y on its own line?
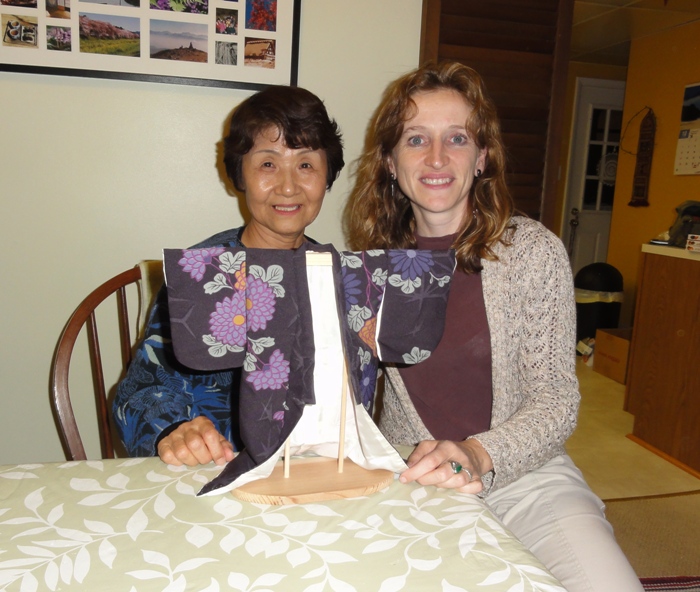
column 286, row 458
column 343, row 412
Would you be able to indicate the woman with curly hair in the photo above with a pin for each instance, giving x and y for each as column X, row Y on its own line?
column 489, row 411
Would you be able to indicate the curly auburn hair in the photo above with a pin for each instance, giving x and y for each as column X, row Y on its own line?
column 378, row 215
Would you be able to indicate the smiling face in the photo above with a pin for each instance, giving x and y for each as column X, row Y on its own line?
column 284, row 190
column 436, row 160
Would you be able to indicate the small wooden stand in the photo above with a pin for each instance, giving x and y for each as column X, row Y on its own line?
column 316, row 478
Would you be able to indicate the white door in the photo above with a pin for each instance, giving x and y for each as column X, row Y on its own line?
column 595, row 144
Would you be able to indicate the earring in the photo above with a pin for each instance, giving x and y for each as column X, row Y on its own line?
column 478, row 173
column 393, row 184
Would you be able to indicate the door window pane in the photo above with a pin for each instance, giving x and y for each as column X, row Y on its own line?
column 590, row 194
column 615, row 125
column 598, row 125
column 595, row 152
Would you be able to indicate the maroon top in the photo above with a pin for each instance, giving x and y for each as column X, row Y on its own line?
column 451, row 390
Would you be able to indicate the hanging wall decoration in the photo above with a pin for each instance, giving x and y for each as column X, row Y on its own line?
column 645, row 151
column 245, row 44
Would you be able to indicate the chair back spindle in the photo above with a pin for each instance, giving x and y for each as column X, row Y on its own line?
column 84, row 316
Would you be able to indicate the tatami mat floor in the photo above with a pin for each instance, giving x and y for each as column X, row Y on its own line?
column 614, row 466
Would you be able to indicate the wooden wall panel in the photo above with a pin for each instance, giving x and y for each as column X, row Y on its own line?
column 520, row 48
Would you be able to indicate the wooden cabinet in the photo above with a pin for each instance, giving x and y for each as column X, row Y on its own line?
column 663, row 385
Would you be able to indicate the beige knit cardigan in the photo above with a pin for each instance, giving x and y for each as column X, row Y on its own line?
column 531, row 315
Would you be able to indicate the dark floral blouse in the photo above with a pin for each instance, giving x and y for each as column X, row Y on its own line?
column 158, row 393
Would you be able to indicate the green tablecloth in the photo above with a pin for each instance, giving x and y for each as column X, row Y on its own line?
column 136, row 525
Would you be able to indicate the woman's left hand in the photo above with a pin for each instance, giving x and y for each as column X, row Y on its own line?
column 429, row 464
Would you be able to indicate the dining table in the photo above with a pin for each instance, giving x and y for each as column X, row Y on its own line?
column 138, row 525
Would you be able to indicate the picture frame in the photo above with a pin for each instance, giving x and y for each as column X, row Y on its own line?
column 247, row 44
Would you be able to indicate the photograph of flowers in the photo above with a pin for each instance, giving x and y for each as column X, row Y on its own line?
column 229, row 43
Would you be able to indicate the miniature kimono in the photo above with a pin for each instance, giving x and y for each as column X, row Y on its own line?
column 295, row 328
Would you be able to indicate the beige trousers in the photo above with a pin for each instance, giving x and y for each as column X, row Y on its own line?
column 557, row 516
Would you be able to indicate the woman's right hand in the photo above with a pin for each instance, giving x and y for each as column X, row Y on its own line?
column 195, row 442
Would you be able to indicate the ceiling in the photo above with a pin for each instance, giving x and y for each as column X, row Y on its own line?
column 603, row 29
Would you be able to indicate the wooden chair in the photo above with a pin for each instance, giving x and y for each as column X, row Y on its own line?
column 148, row 277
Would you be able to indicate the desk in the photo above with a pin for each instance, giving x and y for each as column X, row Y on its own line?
column 135, row 524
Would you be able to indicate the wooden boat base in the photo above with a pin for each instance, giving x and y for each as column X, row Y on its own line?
column 313, row 479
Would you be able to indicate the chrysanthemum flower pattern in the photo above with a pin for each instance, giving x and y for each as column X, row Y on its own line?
column 195, row 261
column 260, row 303
column 273, row 375
column 228, row 322
column 411, row 263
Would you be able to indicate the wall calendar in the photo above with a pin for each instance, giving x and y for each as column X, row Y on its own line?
column 688, row 148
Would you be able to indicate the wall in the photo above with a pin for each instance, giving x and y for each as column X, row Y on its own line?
column 659, row 69
column 576, row 70
column 96, row 175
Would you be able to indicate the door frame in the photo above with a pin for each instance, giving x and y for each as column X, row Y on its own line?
column 579, row 128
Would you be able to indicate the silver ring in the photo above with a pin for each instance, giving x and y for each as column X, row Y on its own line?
column 457, row 468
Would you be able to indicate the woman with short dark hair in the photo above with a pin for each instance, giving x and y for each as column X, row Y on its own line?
column 283, row 152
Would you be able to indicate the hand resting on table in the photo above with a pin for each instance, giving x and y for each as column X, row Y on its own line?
column 195, row 442
column 429, row 464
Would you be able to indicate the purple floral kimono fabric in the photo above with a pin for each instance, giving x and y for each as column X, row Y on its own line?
column 233, row 307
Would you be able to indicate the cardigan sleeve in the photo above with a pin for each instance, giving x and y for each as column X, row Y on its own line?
column 536, row 396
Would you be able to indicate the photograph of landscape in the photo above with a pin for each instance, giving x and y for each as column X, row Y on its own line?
column 185, row 42
column 110, row 34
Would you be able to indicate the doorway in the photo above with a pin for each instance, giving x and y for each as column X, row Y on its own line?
column 595, row 144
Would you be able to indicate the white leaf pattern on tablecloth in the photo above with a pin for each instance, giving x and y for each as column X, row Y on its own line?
column 447, row 587
column 179, row 585
column 199, row 536
column 298, row 556
column 29, row 583
column 137, row 523
column 300, row 528
column 98, row 527
column 322, row 539
column 414, row 534
column 65, row 569
column 383, row 545
column 228, row 507
column 319, row 510
column 17, row 475
column 334, row 556
column 34, row 500
column 238, row 581
column 107, row 553
column 51, row 575
column 393, row 584
column 232, row 540
column 55, row 514
column 339, row 585
column 118, row 481
column 275, row 519
column 163, row 505
column 277, row 548
column 146, row 574
column 190, row 564
column 257, row 544
column 425, row 564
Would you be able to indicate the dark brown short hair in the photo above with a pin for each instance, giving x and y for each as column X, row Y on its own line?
column 297, row 113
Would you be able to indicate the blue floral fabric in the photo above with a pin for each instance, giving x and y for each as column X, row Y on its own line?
column 250, row 308
column 158, row 392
